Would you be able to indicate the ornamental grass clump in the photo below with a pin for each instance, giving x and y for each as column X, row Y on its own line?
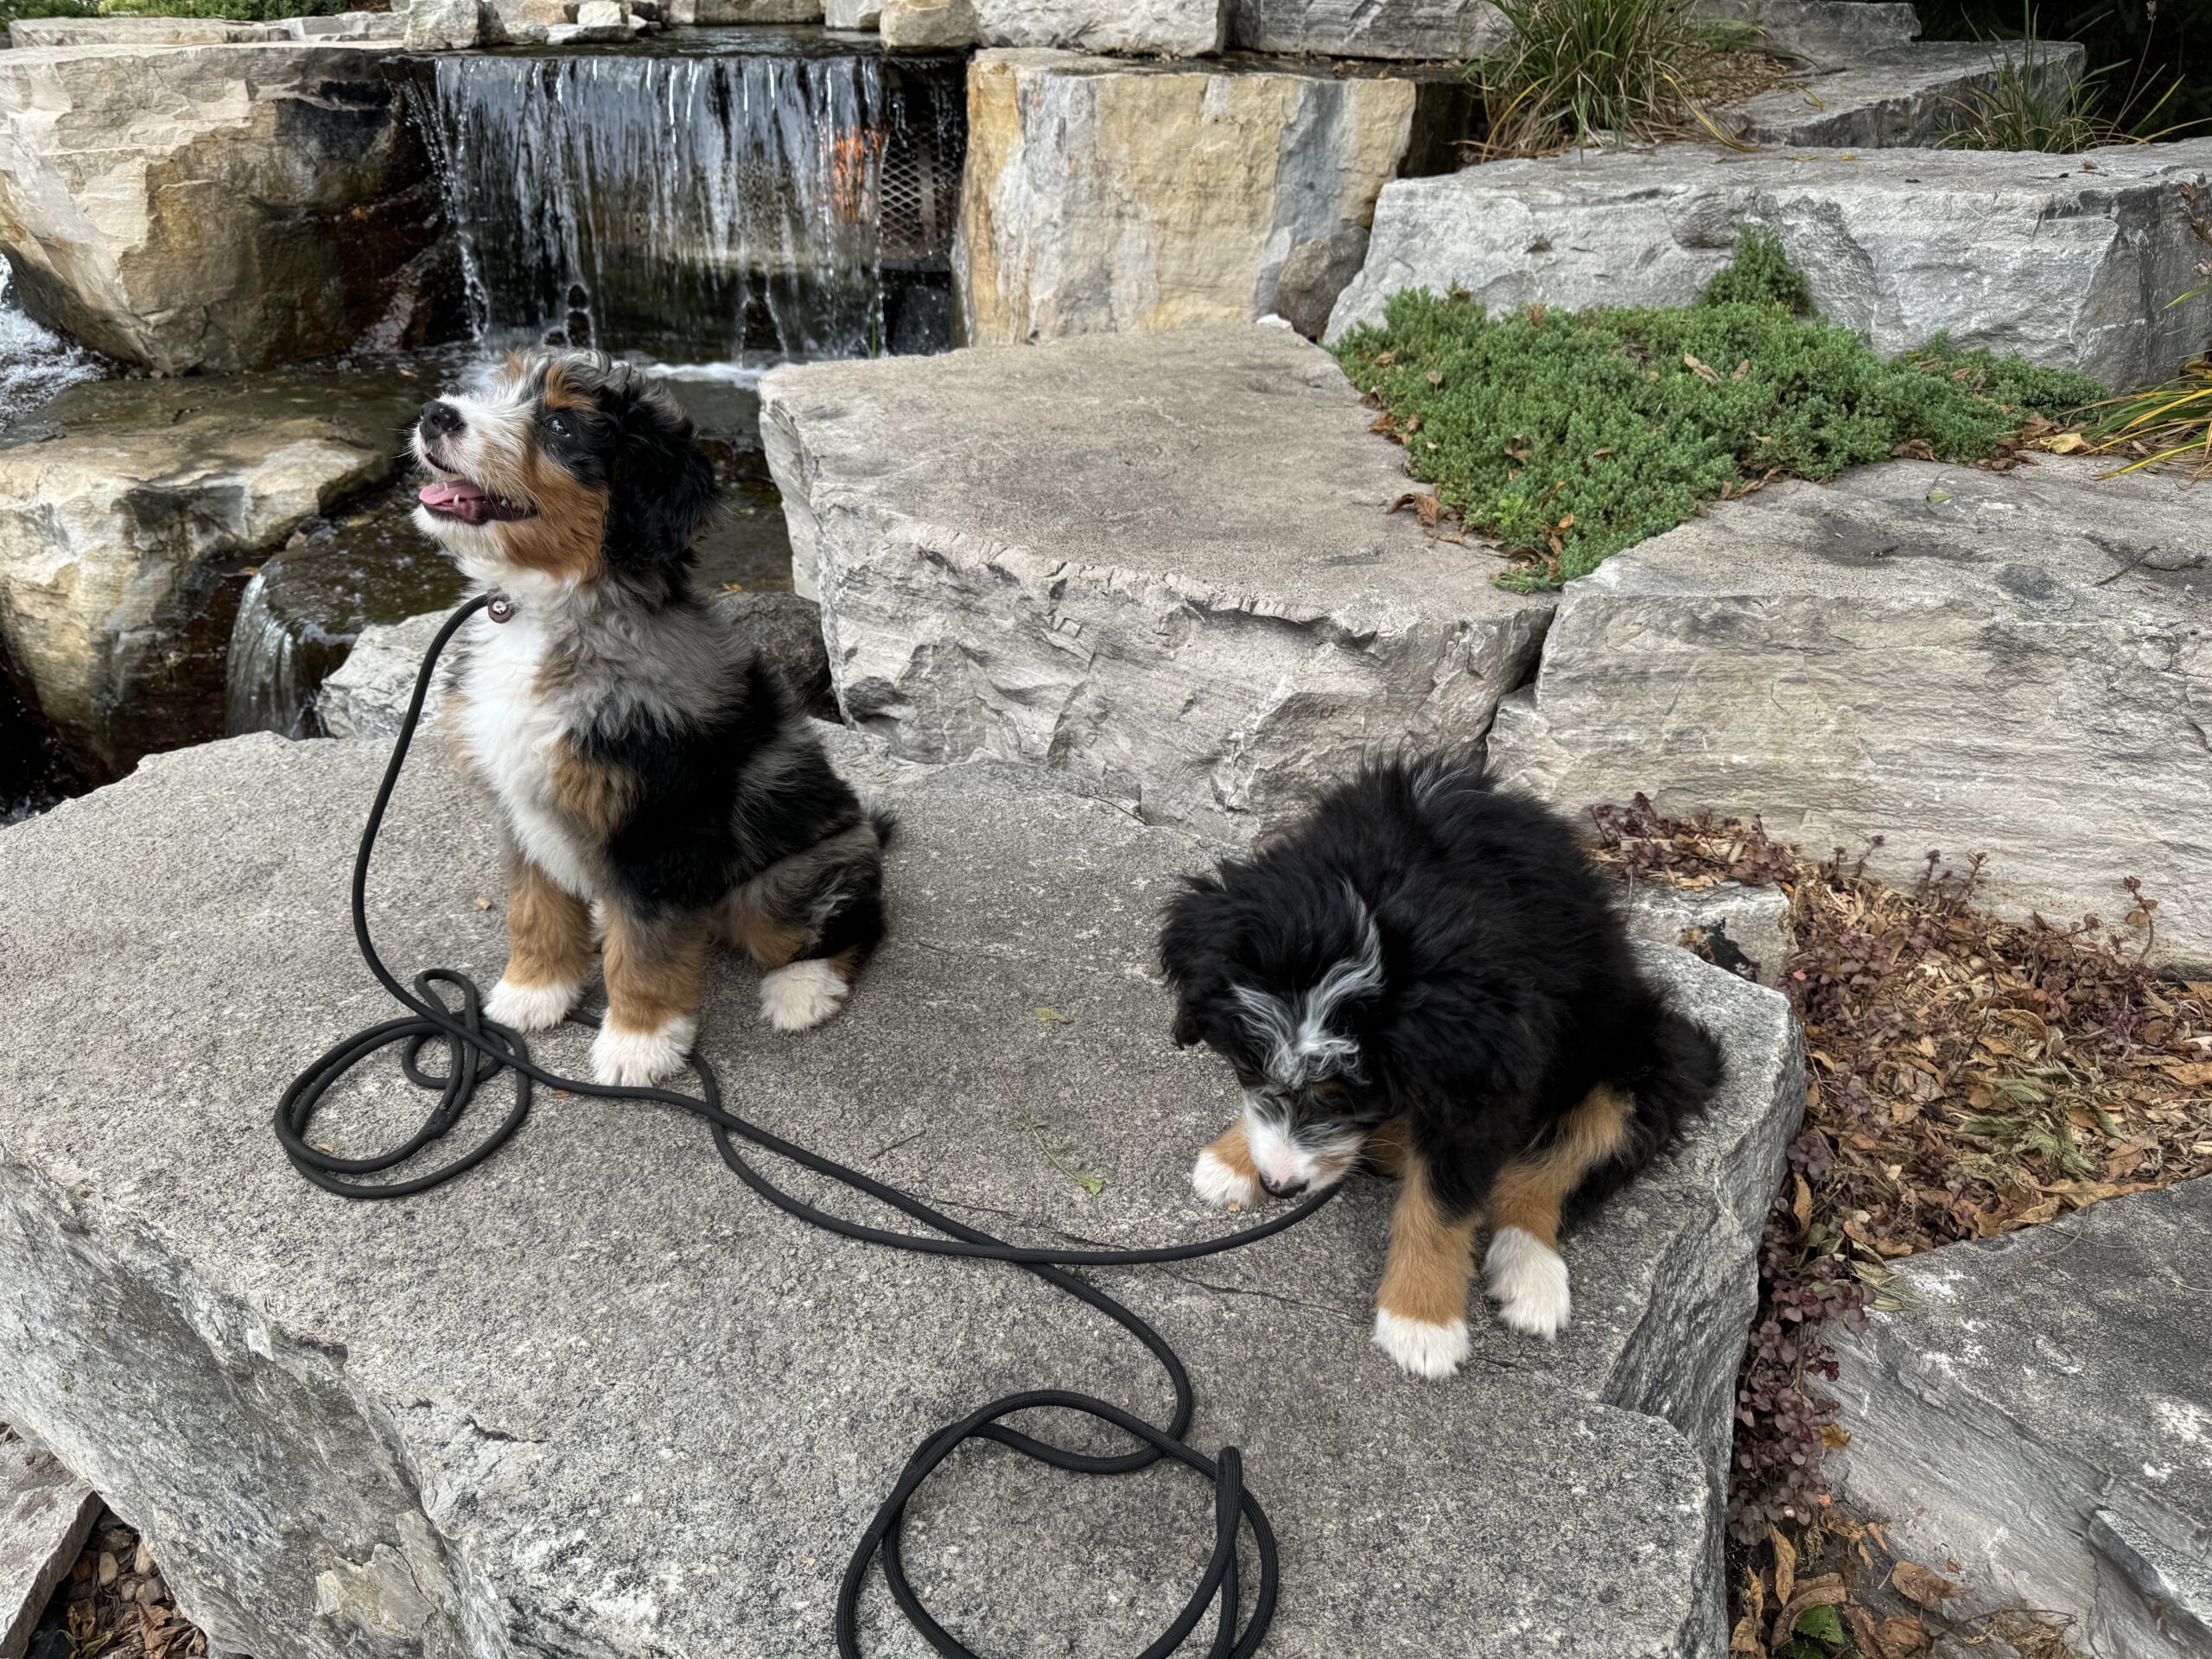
column 1578, row 72
column 1563, row 438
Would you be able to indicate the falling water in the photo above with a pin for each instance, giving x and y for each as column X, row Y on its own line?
column 34, row 362
column 754, row 195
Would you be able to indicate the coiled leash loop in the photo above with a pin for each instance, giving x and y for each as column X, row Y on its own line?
column 479, row 1049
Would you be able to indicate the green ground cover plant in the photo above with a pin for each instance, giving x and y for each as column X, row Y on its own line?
column 1564, row 437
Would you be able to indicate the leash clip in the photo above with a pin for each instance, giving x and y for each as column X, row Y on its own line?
column 500, row 608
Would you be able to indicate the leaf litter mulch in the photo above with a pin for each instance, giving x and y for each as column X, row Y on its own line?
column 1967, row 1077
column 115, row 1605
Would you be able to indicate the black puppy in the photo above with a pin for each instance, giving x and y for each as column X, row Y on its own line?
column 1427, row 974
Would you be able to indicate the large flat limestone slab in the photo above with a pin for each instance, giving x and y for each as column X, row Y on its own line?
column 1160, row 564
column 2039, row 1412
column 2012, row 664
column 595, row 1399
column 2072, row 261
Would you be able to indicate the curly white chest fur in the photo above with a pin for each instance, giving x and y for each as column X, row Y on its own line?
column 511, row 732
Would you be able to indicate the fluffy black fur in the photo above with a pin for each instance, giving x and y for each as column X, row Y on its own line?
column 1507, row 993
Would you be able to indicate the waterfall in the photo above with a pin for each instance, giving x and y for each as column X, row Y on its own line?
column 34, row 362
column 750, row 195
column 301, row 611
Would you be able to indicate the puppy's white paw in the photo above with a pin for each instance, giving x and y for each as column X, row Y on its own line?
column 803, row 996
column 1216, row 1183
column 635, row 1059
column 1421, row 1348
column 531, row 1008
column 1528, row 1280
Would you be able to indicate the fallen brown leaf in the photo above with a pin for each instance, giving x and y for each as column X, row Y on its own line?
column 1917, row 1583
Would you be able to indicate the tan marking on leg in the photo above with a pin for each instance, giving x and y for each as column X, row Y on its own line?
column 1432, row 1260
column 596, row 795
column 548, row 930
column 846, row 962
column 652, row 969
column 1235, row 1153
column 1529, row 1191
column 769, row 940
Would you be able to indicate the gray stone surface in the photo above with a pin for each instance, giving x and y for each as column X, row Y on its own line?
column 2040, row 1413
column 45, row 1512
column 366, row 695
column 852, row 14
column 1314, row 273
column 1158, row 563
column 1171, row 29
column 1745, row 929
column 1360, row 28
column 2012, row 664
column 344, row 25
column 1822, row 32
column 1105, row 196
column 1895, row 99
column 2071, row 267
column 595, row 1400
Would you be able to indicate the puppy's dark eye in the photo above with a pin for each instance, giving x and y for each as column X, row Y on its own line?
column 1333, row 1093
column 558, row 425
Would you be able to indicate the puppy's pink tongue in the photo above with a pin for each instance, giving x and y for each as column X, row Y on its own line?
column 446, row 495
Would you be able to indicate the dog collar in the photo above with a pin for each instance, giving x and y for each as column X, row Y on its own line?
column 501, row 609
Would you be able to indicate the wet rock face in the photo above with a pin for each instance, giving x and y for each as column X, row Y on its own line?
column 1160, row 564
column 2010, row 664
column 129, row 510
column 1113, row 197
column 213, row 208
column 2063, row 1368
column 2071, row 267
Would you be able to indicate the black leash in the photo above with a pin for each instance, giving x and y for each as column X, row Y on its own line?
column 477, row 1050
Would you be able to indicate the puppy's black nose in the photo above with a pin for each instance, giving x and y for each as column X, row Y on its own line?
column 440, row 418
column 1282, row 1189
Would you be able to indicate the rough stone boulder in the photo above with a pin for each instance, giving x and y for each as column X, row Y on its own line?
column 1171, row 29
column 211, row 207
column 125, row 509
column 2072, row 261
column 1160, row 563
column 1896, row 98
column 344, row 25
column 2039, row 1413
column 1822, row 31
column 366, row 695
column 2015, row 663
column 45, row 1513
column 593, row 1399
column 1110, row 197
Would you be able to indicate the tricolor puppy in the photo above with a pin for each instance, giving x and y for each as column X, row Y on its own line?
column 655, row 786
column 1427, row 977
